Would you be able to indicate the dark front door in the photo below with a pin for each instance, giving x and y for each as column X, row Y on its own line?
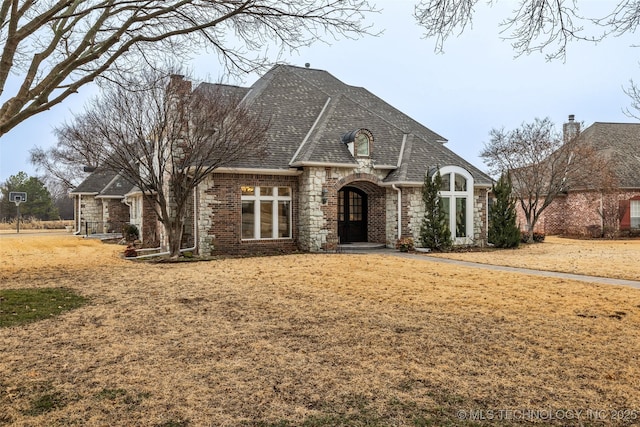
column 352, row 215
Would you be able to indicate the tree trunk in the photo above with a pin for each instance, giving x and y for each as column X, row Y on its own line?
column 174, row 233
column 530, row 226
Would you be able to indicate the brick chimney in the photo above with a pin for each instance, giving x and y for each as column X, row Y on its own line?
column 178, row 85
column 571, row 129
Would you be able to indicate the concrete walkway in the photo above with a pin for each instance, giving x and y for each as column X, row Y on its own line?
column 568, row 276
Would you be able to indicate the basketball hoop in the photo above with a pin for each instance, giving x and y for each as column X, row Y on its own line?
column 17, row 197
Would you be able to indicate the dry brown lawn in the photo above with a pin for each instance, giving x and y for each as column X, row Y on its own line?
column 619, row 259
column 312, row 340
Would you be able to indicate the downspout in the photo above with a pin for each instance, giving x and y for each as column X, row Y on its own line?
column 486, row 218
column 398, row 164
column 79, row 220
column 399, row 210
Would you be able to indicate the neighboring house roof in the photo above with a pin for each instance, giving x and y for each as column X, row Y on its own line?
column 621, row 143
column 118, row 187
column 95, row 182
column 309, row 111
column 103, row 183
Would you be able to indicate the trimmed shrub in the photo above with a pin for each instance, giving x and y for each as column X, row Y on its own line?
column 130, row 232
column 503, row 229
column 537, row 237
column 434, row 231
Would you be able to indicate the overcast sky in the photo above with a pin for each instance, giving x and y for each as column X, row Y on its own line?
column 476, row 85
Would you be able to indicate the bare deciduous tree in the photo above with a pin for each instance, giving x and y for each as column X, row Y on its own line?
column 62, row 164
column 166, row 139
column 57, row 46
column 541, row 164
column 633, row 92
column 535, row 25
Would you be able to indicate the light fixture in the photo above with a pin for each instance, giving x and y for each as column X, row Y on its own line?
column 325, row 196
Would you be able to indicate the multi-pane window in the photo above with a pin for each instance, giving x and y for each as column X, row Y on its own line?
column 355, row 207
column 266, row 212
column 635, row 213
column 456, row 193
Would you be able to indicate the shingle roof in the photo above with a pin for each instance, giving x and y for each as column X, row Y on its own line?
column 104, row 183
column 117, row 187
column 621, row 142
column 309, row 111
column 223, row 90
column 95, row 182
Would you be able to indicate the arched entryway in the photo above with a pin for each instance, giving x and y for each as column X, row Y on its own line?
column 352, row 215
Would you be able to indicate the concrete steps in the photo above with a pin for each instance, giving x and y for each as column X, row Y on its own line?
column 360, row 247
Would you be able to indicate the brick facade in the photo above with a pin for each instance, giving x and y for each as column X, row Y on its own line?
column 116, row 215
column 578, row 214
column 220, row 227
column 314, row 210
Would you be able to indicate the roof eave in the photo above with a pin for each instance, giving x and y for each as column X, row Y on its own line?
column 325, row 164
column 421, row 183
column 385, row 167
column 82, row 193
column 258, row 171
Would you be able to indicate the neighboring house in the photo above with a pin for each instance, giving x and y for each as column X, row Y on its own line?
column 341, row 166
column 97, row 203
column 611, row 208
column 104, row 202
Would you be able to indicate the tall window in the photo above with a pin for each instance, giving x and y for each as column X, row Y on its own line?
column 266, row 212
column 457, row 196
column 635, row 213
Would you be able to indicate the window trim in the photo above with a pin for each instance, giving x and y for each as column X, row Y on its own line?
column 257, row 198
column 634, row 203
column 453, row 195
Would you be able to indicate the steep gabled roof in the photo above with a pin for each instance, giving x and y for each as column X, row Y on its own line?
column 420, row 156
column 118, row 187
column 309, row 111
column 103, row 183
column 291, row 106
column 219, row 89
column 621, row 143
column 95, row 182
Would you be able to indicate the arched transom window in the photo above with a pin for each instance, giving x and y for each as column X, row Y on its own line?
column 456, row 193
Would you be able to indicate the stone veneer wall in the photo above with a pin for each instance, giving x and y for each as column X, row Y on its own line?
column 480, row 216
column 220, row 214
column 391, row 228
column 319, row 221
column 90, row 212
column 413, row 199
column 314, row 233
column 415, row 212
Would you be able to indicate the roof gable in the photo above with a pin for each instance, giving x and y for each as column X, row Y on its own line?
column 309, row 110
column 95, row 182
column 103, row 183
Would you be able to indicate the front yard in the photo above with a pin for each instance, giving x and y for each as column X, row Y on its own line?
column 619, row 259
column 317, row 340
